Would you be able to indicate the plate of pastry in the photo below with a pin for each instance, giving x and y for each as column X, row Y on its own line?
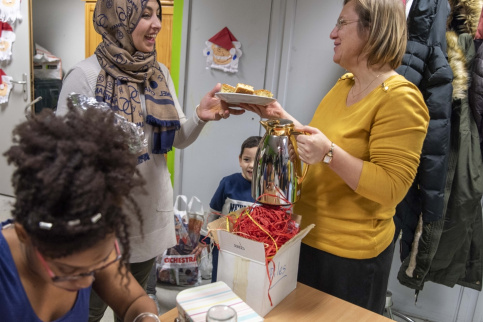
column 244, row 93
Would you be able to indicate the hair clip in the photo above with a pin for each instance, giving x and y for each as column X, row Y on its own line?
column 96, row 218
column 71, row 223
column 74, row 222
column 45, row 225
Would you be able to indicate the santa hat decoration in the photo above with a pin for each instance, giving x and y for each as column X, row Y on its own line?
column 223, row 51
column 5, row 87
column 2, row 73
column 7, row 37
column 224, row 39
column 5, row 81
column 5, row 26
column 10, row 10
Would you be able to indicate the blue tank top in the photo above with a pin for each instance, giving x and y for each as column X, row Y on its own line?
column 14, row 303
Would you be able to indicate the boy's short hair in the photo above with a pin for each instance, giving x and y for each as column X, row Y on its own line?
column 251, row 142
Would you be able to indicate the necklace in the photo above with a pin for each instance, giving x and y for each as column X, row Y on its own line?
column 372, row 81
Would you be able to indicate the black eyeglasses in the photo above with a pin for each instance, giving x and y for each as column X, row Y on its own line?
column 70, row 278
column 341, row 23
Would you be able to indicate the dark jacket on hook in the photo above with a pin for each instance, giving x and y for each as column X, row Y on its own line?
column 448, row 250
column 457, row 259
column 425, row 64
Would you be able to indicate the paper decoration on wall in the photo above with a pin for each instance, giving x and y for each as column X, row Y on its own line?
column 5, row 87
column 223, row 51
column 7, row 37
column 10, row 11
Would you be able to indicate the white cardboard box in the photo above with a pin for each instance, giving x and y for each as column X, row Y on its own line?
column 193, row 303
column 241, row 265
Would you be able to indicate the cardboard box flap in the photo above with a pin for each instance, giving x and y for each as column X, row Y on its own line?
column 242, row 247
column 295, row 239
column 223, row 223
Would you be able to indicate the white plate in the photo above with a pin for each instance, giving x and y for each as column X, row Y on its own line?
column 236, row 98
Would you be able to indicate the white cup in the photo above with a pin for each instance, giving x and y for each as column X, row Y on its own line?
column 221, row 313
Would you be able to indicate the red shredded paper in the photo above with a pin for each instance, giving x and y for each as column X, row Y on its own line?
column 271, row 225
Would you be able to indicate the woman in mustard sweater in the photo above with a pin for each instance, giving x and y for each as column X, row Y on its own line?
column 364, row 146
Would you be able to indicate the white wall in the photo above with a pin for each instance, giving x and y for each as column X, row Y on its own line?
column 59, row 27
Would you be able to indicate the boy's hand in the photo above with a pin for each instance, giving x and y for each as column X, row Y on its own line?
column 198, row 249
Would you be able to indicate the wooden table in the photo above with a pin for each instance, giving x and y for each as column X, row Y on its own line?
column 308, row 304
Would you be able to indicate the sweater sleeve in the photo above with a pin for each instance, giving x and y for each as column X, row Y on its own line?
column 190, row 127
column 218, row 199
column 395, row 144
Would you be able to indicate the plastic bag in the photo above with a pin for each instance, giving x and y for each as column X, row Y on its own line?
column 180, row 264
column 46, row 65
column 195, row 220
column 181, row 207
column 206, row 264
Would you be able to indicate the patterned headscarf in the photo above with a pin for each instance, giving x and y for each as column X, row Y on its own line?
column 124, row 67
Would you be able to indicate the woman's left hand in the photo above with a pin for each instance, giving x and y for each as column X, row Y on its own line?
column 211, row 108
column 312, row 147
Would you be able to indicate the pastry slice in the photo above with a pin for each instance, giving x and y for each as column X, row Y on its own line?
column 263, row 92
column 244, row 89
column 225, row 88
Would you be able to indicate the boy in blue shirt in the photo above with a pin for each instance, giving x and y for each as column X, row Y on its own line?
column 235, row 191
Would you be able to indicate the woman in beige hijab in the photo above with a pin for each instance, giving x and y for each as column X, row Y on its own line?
column 124, row 73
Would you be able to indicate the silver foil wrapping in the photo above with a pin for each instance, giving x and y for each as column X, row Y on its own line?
column 137, row 141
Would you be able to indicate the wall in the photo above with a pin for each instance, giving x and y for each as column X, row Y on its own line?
column 59, row 27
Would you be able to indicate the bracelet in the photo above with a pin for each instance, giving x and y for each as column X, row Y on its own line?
column 146, row 315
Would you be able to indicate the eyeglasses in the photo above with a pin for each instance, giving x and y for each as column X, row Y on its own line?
column 341, row 23
column 66, row 278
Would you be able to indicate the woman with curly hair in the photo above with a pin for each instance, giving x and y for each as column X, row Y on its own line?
column 73, row 177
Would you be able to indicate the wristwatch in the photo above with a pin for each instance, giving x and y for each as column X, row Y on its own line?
column 328, row 157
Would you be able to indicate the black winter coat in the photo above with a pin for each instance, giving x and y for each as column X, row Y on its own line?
column 425, row 64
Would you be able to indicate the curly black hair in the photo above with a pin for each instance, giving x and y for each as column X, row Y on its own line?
column 68, row 169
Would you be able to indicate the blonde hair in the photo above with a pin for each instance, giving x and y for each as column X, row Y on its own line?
column 386, row 22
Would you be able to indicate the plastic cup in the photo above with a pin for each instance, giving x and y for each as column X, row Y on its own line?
column 219, row 313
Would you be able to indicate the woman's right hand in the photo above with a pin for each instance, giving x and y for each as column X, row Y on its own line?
column 271, row 111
